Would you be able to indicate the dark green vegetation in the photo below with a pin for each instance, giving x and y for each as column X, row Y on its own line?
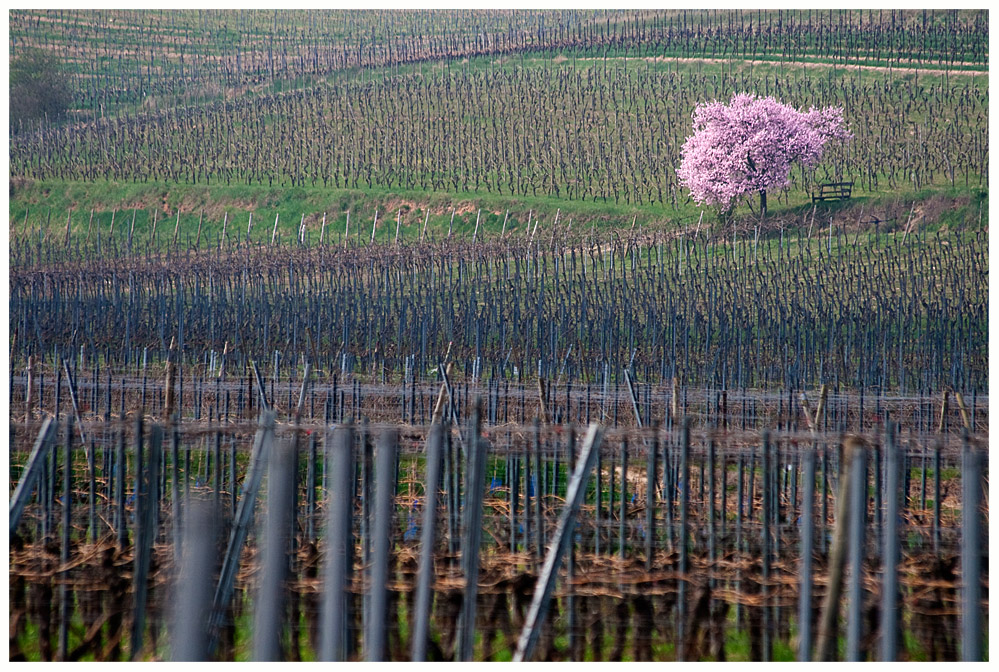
column 39, row 90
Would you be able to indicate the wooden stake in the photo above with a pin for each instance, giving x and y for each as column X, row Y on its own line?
column 225, row 224
column 675, row 402
column 964, row 411
column 823, row 394
column 813, row 420
column 908, row 223
column 425, row 220
column 441, row 397
column 31, row 384
column 551, row 243
column 943, row 411
column 225, row 351
column 827, row 636
column 131, row 228
column 543, row 400
column 168, row 390
column 201, row 221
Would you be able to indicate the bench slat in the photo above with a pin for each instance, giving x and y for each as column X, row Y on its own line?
column 833, row 191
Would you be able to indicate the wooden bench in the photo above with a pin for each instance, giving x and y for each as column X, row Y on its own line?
column 833, row 191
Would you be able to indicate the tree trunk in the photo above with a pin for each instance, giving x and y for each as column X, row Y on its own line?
column 763, row 202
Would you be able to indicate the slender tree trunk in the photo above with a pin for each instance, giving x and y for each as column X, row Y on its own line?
column 763, row 202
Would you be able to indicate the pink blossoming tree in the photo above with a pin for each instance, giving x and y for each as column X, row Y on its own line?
column 750, row 145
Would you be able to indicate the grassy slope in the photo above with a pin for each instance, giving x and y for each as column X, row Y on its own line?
column 45, row 205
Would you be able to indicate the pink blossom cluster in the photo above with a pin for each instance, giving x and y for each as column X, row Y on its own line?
column 749, row 146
